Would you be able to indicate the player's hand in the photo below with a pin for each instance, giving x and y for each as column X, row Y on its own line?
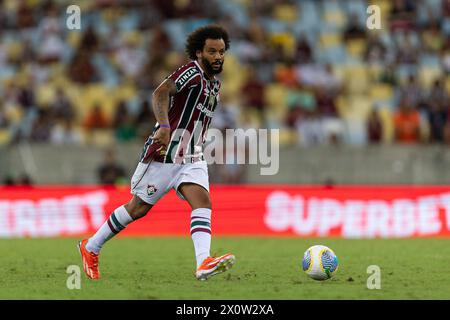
column 162, row 136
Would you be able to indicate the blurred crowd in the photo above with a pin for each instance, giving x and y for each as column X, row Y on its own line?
column 308, row 67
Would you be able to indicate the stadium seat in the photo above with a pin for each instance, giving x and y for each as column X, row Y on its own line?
column 288, row 137
column 72, row 92
column 428, row 75
column 404, row 71
column 5, row 136
column 234, row 74
column 354, row 108
column 386, row 118
column 355, row 132
column 335, row 55
column 356, row 47
column 129, row 21
column 45, row 94
column 309, row 14
column 76, row 94
column 310, row 32
column 107, row 72
column 339, row 71
column 14, row 114
column 375, row 71
column 425, row 129
column 357, row 7
column 14, row 49
column 384, row 5
column 360, row 106
column 286, row 13
column 446, row 26
column 336, row 19
column 73, row 39
column 192, row 24
column 7, row 72
column 430, row 61
column 108, row 97
column 423, row 14
column 251, row 118
column 275, row 96
column 85, row 98
column 357, row 78
column 330, row 39
column 435, row 6
column 273, row 26
column 381, row 92
column 176, row 31
column 235, row 9
column 85, row 5
column 286, row 40
column 341, row 104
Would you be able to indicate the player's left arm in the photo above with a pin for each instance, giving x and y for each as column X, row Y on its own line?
column 160, row 102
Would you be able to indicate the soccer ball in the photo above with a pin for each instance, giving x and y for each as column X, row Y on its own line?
column 320, row 262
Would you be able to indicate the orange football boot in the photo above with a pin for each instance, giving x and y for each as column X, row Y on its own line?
column 214, row 265
column 90, row 261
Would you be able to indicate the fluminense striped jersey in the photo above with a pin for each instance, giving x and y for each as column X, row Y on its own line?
column 190, row 113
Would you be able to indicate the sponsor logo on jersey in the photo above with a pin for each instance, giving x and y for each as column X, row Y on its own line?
column 205, row 110
column 186, row 76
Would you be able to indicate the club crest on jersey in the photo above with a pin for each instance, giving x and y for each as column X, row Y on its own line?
column 211, row 101
column 151, row 189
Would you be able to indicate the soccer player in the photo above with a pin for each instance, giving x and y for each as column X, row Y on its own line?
column 172, row 156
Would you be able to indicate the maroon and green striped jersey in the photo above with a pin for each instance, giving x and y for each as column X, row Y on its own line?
column 190, row 112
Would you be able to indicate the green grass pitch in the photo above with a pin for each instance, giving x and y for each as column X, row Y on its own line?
column 266, row 268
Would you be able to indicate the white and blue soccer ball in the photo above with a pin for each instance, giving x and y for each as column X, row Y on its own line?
column 320, row 262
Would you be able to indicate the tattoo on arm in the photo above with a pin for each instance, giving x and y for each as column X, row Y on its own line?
column 160, row 100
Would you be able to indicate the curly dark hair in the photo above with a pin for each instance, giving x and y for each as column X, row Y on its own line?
column 196, row 40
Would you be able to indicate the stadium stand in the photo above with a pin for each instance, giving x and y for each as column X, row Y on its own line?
column 125, row 49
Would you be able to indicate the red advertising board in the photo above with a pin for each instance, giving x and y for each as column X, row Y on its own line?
column 269, row 210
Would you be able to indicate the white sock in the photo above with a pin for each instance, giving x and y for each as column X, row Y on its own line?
column 116, row 222
column 201, row 233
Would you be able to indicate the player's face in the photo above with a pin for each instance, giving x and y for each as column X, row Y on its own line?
column 213, row 55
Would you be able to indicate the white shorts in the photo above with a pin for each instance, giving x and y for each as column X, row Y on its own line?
column 152, row 181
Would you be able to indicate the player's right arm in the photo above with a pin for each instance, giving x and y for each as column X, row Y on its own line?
column 160, row 102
